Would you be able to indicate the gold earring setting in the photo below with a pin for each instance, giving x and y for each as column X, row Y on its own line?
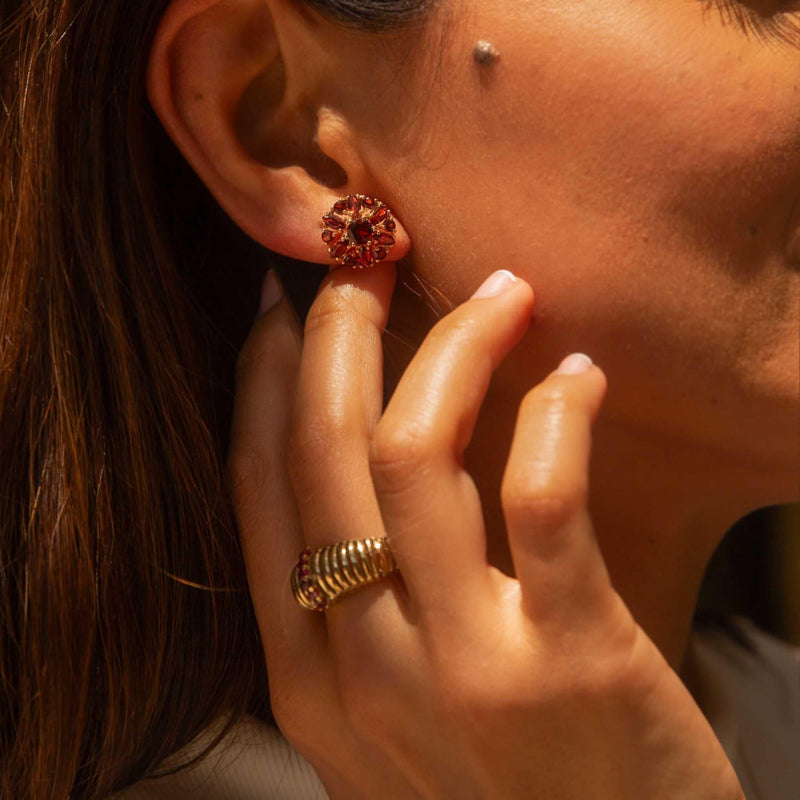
column 359, row 231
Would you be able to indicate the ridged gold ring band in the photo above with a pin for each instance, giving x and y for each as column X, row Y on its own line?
column 321, row 576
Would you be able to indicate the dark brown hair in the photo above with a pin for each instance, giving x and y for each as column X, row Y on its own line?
column 126, row 627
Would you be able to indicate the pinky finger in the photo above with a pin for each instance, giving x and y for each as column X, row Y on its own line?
column 544, row 493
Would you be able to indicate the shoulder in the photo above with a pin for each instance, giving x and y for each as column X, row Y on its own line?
column 253, row 761
column 749, row 690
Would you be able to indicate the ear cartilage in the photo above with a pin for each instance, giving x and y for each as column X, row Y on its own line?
column 359, row 231
column 485, row 53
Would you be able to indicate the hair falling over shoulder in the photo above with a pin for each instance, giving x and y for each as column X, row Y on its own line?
column 126, row 627
column 125, row 623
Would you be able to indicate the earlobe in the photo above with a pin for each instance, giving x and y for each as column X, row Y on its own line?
column 222, row 79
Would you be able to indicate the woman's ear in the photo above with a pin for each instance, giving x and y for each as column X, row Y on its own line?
column 234, row 84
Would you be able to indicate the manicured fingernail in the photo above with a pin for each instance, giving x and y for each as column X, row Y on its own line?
column 271, row 292
column 495, row 284
column 574, row 364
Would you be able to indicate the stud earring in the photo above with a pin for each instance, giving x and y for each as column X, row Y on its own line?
column 485, row 53
column 359, row 231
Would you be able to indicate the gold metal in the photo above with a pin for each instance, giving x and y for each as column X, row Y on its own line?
column 323, row 575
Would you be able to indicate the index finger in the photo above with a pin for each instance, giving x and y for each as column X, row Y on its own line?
column 339, row 401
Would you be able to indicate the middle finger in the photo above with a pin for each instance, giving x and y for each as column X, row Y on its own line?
column 429, row 503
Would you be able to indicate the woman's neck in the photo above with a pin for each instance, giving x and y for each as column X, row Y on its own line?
column 659, row 508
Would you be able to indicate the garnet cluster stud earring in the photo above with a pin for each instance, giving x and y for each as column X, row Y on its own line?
column 359, row 231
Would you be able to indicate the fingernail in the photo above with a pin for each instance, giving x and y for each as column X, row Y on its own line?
column 271, row 292
column 574, row 364
column 495, row 284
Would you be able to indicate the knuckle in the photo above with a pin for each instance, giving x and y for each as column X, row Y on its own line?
column 397, row 445
column 456, row 329
column 547, row 399
column 336, row 306
column 328, row 310
column 457, row 324
column 543, row 505
column 398, row 454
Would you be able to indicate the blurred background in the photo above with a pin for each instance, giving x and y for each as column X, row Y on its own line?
column 756, row 572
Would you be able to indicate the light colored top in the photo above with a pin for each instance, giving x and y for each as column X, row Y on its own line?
column 751, row 699
column 253, row 763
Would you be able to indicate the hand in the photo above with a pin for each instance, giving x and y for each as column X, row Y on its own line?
column 449, row 680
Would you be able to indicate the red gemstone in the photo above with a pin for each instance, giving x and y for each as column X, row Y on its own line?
column 359, row 231
column 340, row 206
column 379, row 215
column 331, row 236
column 338, row 250
column 354, row 204
column 380, row 253
column 369, row 202
column 389, row 225
column 364, row 257
column 385, row 238
column 333, row 222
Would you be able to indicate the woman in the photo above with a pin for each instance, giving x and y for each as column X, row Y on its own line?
column 635, row 165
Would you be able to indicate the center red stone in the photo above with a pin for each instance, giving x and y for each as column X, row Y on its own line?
column 360, row 231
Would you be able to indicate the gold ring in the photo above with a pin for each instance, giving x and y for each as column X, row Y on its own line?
column 322, row 575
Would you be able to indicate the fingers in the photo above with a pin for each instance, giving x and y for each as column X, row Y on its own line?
column 339, row 400
column 430, row 506
column 266, row 512
column 557, row 560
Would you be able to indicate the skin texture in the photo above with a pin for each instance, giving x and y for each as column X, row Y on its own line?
column 637, row 163
column 455, row 680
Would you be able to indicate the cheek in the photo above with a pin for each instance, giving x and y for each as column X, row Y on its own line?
column 640, row 176
column 644, row 151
